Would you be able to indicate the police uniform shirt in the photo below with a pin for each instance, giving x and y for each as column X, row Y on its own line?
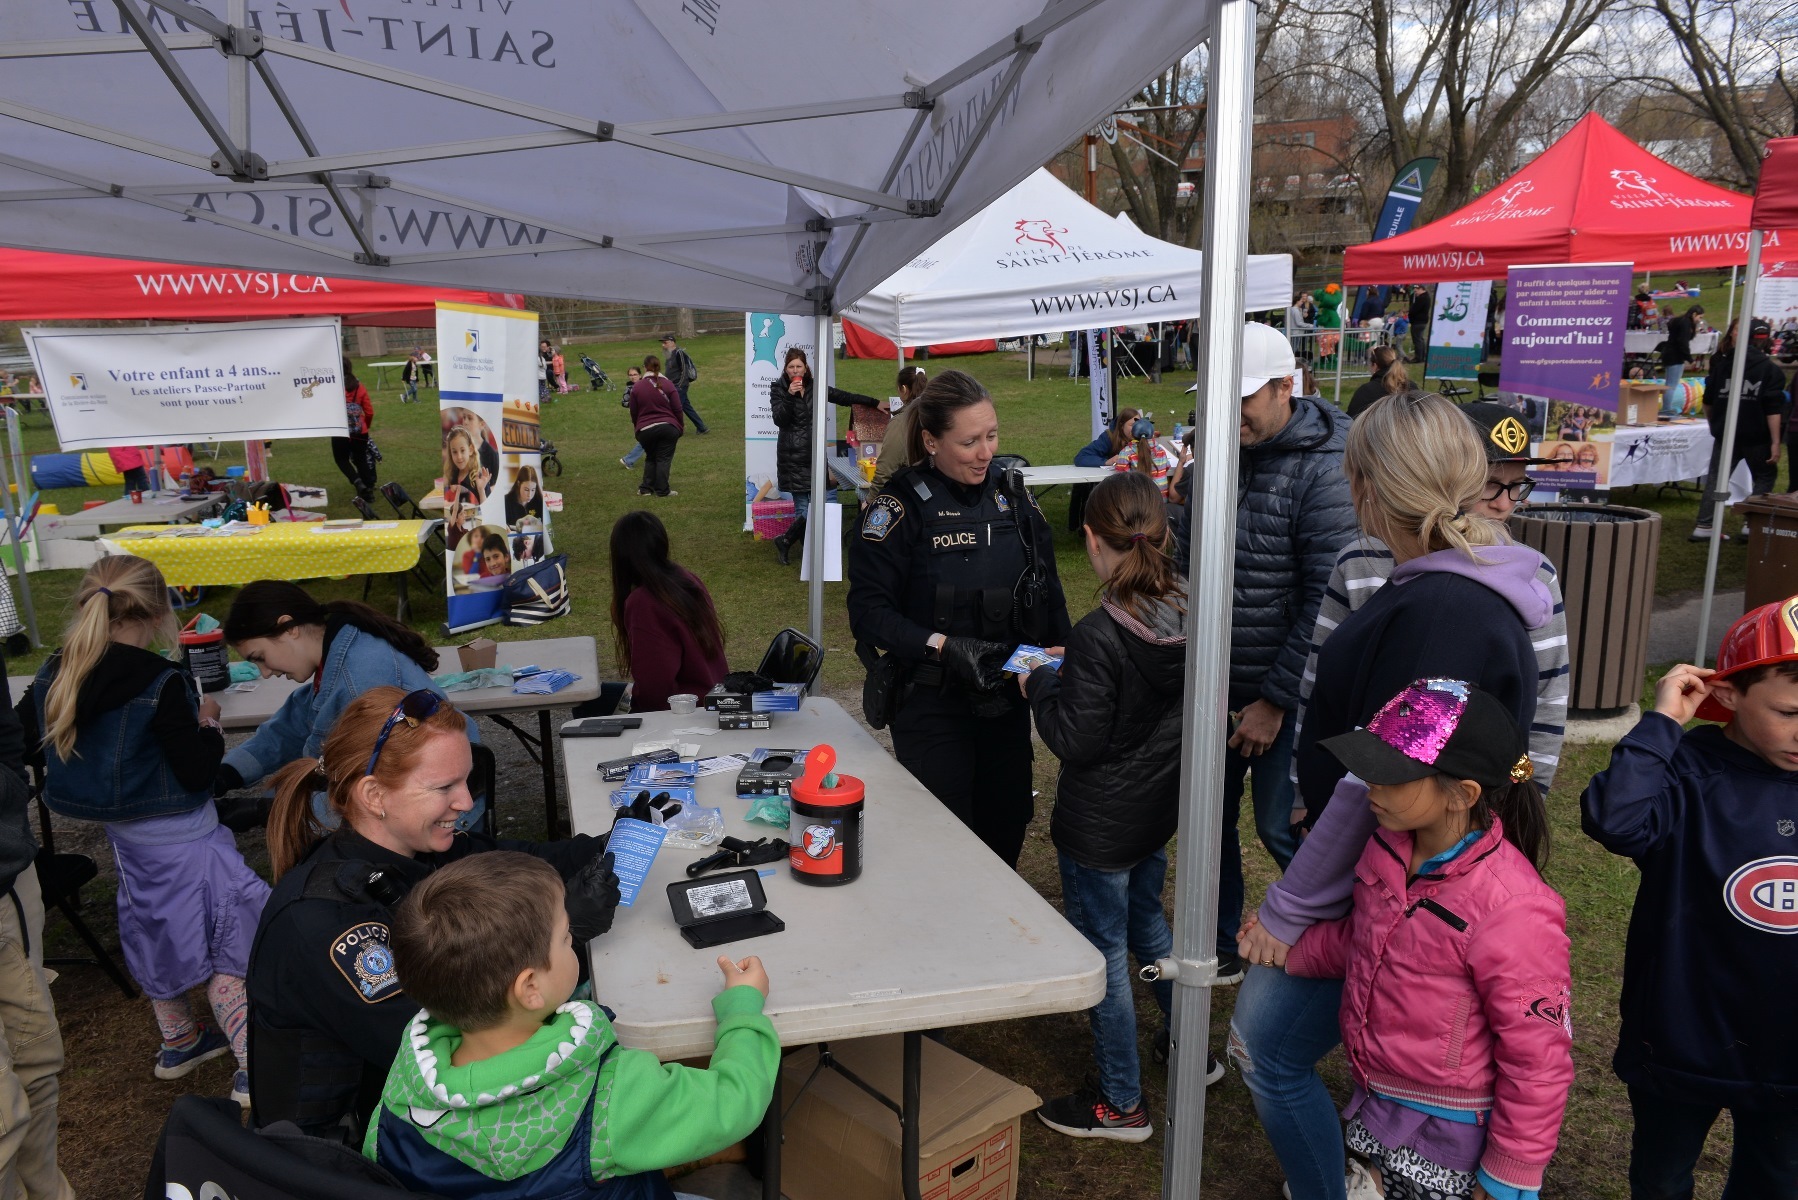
column 322, row 964
column 922, row 532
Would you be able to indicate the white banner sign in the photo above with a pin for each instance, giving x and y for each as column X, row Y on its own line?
column 494, row 516
column 1458, row 328
column 1776, row 295
column 251, row 380
column 1098, row 363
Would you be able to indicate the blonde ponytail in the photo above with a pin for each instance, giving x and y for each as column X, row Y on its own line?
column 1418, row 462
column 118, row 590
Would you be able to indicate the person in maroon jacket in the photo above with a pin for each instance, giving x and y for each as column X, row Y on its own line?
column 656, row 415
column 351, row 451
column 666, row 631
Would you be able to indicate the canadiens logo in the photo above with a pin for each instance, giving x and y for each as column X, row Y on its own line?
column 1764, row 894
column 820, row 840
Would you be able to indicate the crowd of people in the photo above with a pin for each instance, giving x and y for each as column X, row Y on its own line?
column 1397, row 696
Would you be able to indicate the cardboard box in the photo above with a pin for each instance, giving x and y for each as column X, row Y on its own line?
column 482, row 652
column 841, row 1142
column 1639, row 403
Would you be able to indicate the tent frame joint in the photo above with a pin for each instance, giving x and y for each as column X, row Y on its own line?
column 373, row 260
column 927, row 207
column 919, row 98
column 241, row 41
column 250, row 167
column 603, row 131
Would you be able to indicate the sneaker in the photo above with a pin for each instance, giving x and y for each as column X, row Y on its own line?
column 1163, row 1049
column 625, row 463
column 1085, row 1115
column 1214, row 1069
column 240, row 1088
column 1358, row 1183
column 1701, row 534
column 1229, row 969
column 670, row 492
column 173, row 1064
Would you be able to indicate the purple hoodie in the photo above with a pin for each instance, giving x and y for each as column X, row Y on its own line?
column 1443, row 615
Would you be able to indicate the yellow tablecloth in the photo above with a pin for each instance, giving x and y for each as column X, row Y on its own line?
column 283, row 550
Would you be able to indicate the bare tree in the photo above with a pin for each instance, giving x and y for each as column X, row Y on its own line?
column 1734, row 57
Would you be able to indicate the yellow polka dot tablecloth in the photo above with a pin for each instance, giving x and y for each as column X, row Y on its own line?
column 282, row 550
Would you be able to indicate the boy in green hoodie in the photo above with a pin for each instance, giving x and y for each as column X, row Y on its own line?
column 503, row 1086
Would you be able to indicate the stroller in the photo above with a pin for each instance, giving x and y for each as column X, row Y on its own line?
column 596, row 373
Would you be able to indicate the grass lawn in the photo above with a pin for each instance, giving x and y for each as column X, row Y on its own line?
column 1044, row 420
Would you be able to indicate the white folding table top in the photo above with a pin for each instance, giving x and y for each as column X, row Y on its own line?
column 937, row 931
column 161, row 510
column 1050, row 476
column 248, row 709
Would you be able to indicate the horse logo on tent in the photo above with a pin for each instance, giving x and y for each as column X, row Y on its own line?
column 1510, row 196
column 1045, row 233
column 1635, row 181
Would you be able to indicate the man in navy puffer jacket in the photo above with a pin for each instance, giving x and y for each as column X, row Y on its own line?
column 1293, row 515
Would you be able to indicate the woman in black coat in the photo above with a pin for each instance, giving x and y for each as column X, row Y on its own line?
column 790, row 401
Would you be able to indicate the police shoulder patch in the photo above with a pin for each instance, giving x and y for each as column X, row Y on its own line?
column 882, row 518
column 361, row 954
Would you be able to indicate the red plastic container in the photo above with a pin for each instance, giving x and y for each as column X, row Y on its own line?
column 825, row 824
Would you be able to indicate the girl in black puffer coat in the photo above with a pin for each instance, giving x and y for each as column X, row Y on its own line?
column 790, row 404
column 1112, row 716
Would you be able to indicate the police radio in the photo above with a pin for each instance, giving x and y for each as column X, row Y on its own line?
column 1030, row 595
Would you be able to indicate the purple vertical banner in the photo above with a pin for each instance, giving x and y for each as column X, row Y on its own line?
column 1564, row 332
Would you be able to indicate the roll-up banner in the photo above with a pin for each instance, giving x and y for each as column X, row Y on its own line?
column 1458, row 329
column 1564, row 328
column 494, row 515
column 247, row 380
column 766, row 339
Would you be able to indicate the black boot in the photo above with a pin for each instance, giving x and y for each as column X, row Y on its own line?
column 785, row 542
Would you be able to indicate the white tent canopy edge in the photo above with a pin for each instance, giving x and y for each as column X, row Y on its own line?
column 1040, row 259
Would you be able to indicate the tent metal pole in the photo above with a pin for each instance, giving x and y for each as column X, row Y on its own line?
column 237, row 79
column 814, row 528
column 1726, row 455
column 18, row 551
column 1731, row 314
column 1228, row 124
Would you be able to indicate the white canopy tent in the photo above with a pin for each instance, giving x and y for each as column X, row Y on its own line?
column 777, row 157
column 1040, row 259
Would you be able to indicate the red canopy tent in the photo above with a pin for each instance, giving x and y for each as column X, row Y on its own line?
column 35, row 286
column 865, row 343
column 1593, row 196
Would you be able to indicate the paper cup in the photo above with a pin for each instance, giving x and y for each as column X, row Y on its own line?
column 683, row 704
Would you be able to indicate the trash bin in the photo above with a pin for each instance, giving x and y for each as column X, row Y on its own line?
column 1772, row 549
column 1606, row 555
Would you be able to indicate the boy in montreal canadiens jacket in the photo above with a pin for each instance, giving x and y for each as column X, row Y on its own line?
column 1455, row 957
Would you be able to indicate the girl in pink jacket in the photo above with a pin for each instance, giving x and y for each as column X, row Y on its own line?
column 1455, row 956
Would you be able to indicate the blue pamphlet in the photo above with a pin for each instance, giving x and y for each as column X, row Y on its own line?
column 1026, row 659
column 633, row 845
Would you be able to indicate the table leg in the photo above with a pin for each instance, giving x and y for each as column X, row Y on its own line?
column 908, row 1116
column 546, row 756
column 771, row 1137
column 404, row 608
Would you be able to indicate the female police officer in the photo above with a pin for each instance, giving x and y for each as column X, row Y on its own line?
column 326, row 1007
column 953, row 568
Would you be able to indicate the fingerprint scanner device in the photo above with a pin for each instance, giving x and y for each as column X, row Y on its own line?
column 715, row 910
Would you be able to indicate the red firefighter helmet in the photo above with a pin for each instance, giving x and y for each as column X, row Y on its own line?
column 1769, row 634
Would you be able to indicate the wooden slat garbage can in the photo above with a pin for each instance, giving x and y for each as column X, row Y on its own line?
column 1606, row 555
column 1772, row 549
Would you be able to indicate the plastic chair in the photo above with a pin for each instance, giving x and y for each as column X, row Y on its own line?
column 406, row 508
column 792, row 658
column 1486, row 379
column 61, row 877
column 204, row 1145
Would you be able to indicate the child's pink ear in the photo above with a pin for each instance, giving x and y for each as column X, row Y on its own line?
column 1725, row 693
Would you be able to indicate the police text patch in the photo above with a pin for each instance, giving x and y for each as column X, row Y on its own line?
column 362, row 955
column 883, row 517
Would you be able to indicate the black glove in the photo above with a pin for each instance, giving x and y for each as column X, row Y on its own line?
column 975, row 665
column 591, row 898
column 225, row 779
column 652, row 810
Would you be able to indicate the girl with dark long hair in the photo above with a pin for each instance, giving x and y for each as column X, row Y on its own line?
column 664, row 627
column 790, row 405
column 1111, row 714
column 336, row 650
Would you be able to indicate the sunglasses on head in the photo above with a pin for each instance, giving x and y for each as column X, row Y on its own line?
column 414, row 707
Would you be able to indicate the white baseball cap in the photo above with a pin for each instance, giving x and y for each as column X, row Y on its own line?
column 1266, row 354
